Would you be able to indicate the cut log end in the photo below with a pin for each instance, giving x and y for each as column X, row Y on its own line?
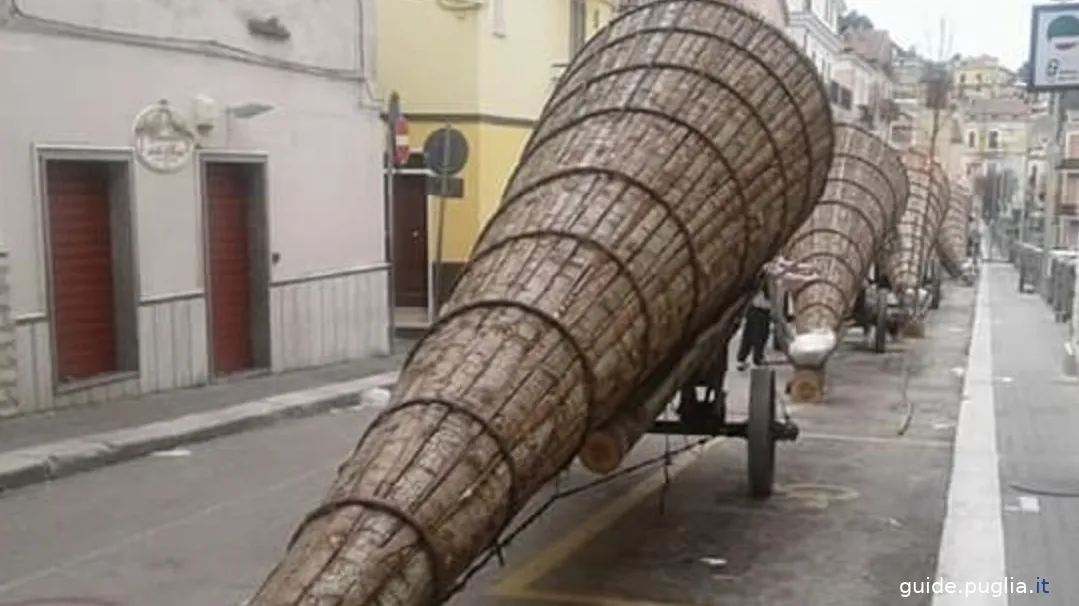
column 914, row 330
column 807, row 386
column 603, row 451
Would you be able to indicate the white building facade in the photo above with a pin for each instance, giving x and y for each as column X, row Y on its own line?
column 869, row 87
column 814, row 26
column 236, row 228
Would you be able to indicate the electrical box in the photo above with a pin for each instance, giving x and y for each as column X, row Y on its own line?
column 204, row 113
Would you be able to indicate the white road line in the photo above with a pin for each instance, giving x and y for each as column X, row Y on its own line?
column 1029, row 504
column 972, row 543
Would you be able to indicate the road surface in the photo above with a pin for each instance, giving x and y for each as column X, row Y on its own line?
column 858, row 511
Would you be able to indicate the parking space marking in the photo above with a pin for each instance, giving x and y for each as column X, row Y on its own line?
column 898, row 441
column 1027, row 504
column 517, row 583
column 815, row 496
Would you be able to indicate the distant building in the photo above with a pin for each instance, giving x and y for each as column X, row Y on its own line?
column 485, row 69
column 237, row 228
column 814, row 26
column 995, row 140
column 929, row 116
column 981, row 77
column 864, row 68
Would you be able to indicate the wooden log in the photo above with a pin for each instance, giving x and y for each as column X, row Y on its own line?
column 918, row 227
column 681, row 147
column 606, row 447
column 915, row 329
column 865, row 195
column 807, row 386
column 952, row 238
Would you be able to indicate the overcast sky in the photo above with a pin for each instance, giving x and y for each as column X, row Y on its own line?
column 994, row 27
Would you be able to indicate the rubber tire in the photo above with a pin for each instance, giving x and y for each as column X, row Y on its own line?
column 760, row 434
column 937, row 294
column 880, row 330
column 779, row 343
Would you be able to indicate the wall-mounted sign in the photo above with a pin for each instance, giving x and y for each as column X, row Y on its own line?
column 163, row 141
column 1054, row 47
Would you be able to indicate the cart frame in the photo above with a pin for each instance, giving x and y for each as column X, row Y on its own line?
column 707, row 415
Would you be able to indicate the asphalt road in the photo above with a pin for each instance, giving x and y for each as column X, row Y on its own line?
column 858, row 510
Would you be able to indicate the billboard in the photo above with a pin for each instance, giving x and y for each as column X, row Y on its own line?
column 1054, row 47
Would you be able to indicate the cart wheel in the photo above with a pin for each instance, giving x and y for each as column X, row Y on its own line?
column 779, row 340
column 880, row 331
column 937, row 294
column 760, row 435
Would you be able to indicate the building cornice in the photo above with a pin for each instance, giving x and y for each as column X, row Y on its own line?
column 819, row 29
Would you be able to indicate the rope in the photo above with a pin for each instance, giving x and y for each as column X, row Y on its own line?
column 494, row 551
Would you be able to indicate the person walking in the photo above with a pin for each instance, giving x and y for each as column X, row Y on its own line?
column 757, row 327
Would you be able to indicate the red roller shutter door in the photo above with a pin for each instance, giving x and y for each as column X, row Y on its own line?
column 228, row 203
column 83, row 291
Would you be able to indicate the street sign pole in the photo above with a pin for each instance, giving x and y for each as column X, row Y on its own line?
column 446, row 151
column 393, row 115
column 443, row 178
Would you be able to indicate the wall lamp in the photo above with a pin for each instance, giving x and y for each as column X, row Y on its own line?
column 249, row 109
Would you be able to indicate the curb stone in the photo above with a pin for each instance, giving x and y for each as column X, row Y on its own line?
column 35, row 464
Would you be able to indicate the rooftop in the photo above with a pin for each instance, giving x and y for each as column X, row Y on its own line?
column 999, row 106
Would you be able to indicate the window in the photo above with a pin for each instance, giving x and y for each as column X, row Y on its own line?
column 807, row 5
column 972, row 139
column 498, row 17
column 578, row 25
column 902, row 134
column 845, row 97
column 994, row 139
column 962, row 78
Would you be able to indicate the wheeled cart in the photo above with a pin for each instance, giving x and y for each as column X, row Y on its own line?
column 702, row 411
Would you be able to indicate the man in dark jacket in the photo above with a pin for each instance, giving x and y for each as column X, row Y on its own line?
column 757, row 327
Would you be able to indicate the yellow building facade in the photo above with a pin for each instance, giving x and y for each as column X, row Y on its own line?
column 484, row 68
column 981, row 77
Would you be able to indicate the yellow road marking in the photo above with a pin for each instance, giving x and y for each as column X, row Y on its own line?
column 584, row 600
column 516, row 584
column 898, row 440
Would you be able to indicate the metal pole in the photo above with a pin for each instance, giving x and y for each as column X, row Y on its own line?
column 1052, row 188
column 1024, row 189
column 440, row 236
column 392, row 114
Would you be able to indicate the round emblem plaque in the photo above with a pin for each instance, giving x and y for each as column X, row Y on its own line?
column 163, row 142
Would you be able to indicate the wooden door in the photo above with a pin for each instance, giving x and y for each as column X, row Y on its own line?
column 82, row 285
column 410, row 241
column 228, row 226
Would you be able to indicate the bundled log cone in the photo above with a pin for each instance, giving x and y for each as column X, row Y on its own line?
column 952, row 240
column 681, row 148
column 864, row 197
column 920, row 222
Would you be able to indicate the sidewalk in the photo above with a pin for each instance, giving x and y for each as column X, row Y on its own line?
column 39, row 447
column 1014, row 500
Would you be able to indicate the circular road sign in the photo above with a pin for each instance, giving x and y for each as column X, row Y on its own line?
column 446, row 151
